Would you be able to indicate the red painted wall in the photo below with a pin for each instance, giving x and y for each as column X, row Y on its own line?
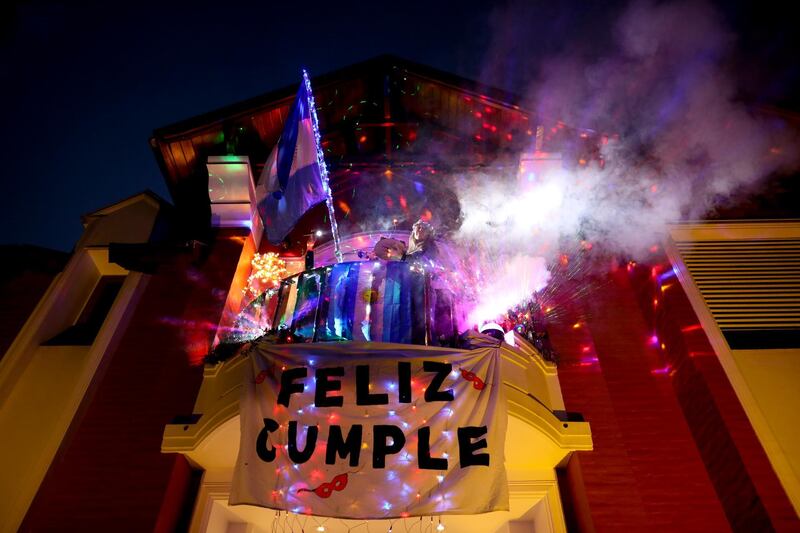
column 736, row 462
column 109, row 474
column 673, row 450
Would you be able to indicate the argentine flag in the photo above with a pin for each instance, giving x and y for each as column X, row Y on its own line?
column 291, row 182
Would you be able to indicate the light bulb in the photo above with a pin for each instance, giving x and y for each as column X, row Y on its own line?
column 320, row 528
column 440, row 527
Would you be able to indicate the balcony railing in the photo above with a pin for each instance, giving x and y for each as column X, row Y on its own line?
column 372, row 301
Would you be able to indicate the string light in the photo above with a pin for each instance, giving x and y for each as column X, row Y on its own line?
column 323, row 168
column 268, row 270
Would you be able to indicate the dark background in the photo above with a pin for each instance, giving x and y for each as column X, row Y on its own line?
column 83, row 86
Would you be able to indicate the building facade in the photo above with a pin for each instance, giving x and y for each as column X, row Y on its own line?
column 670, row 405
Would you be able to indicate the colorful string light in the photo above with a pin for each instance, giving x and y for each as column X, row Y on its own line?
column 268, row 270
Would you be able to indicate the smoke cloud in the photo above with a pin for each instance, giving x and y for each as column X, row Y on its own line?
column 652, row 85
column 676, row 142
column 685, row 144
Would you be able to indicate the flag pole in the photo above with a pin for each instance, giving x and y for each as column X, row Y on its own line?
column 323, row 169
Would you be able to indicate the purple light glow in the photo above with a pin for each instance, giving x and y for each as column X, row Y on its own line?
column 667, row 275
column 662, row 371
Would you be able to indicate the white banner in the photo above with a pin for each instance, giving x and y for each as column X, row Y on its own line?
column 371, row 431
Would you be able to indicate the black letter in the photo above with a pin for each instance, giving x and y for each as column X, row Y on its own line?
column 266, row 454
column 288, row 386
column 380, row 448
column 404, row 381
column 363, row 396
column 324, row 386
column 466, row 447
column 432, row 392
column 336, row 444
column 424, row 452
column 311, row 443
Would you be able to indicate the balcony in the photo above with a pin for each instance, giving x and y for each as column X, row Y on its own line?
column 383, row 304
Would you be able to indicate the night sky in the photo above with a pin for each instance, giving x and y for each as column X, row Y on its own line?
column 84, row 87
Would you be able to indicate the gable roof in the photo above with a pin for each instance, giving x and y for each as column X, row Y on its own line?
column 379, row 64
column 384, row 92
column 147, row 196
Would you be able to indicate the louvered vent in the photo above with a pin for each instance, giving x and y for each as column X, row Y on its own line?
column 752, row 288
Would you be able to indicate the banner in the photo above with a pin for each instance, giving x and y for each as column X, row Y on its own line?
column 372, row 431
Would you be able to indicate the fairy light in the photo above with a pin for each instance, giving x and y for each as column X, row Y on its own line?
column 268, row 270
column 323, row 168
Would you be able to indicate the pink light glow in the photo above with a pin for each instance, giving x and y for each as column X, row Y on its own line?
column 667, row 369
column 517, row 280
column 702, row 354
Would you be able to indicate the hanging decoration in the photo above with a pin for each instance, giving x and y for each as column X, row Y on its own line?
column 268, row 270
column 323, row 167
column 372, row 431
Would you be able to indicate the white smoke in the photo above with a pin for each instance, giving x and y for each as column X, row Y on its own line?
column 682, row 144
